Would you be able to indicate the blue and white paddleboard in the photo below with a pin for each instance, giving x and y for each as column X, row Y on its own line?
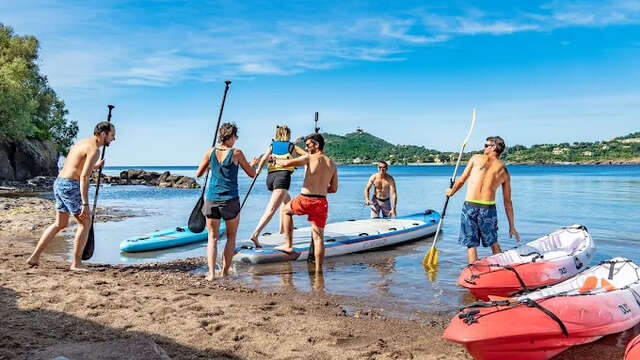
column 162, row 239
column 343, row 238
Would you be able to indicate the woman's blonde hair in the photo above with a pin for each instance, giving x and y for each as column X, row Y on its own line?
column 282, row 133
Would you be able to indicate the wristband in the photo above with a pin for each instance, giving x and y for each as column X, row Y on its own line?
column 85, row 204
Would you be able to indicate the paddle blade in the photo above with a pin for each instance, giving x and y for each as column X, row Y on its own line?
column 432, row 273
column 87, row 253
column 431, row 258
column 197, row 222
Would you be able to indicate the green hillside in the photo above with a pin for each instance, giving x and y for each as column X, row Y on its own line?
column 361, row 147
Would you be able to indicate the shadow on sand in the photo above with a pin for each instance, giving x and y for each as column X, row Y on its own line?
column 45, row 334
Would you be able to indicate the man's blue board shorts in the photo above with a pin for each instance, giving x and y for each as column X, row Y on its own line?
column 478, row 223
column 66, row 193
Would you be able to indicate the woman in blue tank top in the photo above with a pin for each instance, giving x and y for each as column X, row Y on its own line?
column 221, row 199
column 279, row 178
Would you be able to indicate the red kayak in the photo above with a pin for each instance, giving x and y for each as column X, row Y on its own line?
column 600, row 301
column 633, row 349
column 545, row 261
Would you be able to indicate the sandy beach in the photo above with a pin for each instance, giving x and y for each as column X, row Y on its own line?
column 165, row 310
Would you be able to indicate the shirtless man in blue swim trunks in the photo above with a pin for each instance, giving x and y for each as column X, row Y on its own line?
column 71, row 193
column 384, row 189
column 479, row 220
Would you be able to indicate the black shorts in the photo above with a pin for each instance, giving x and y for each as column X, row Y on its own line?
column 225, row 209
column 279, row 179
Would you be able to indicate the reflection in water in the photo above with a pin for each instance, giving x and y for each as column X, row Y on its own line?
column 286, row 277
column 432, row 272
column 316, row 278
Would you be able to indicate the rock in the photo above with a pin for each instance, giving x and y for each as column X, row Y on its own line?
column 134, row 174
column 34, row 158
column 149, row 176
column 185, row 182
column 27, row 158
column 141, row 177
column 6, row 166
column 163, row 178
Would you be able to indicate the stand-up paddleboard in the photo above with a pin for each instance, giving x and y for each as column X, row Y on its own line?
column 162, row 239
column 343, row 238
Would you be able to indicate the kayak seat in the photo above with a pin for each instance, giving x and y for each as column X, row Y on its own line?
column 607, row 285
column 590, row 283
column 521, row 254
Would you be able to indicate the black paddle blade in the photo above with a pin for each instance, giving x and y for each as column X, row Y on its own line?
column 197, row 222
column 87, row 253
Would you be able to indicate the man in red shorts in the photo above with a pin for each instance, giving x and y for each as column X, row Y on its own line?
column 320, row 178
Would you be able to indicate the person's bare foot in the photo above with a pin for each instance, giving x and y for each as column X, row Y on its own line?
column 284, row 248
column 256, row 242
column 80, row 267
column 210, row 277
column 33, row 262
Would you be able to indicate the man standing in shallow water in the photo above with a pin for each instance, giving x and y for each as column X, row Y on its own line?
column 320, row 178
column 384, row 187
column 71, row 193
column 479, row 219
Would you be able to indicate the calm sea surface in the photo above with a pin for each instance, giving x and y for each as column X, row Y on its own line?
column 606, row 199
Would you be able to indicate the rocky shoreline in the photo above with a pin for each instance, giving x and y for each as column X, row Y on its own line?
column 152, row 178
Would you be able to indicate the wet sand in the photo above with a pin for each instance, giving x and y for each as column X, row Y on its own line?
column 165, row 310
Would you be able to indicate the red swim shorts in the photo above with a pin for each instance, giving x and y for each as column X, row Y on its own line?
column 316, row 208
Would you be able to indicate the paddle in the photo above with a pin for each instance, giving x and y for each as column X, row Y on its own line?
column 312, row 253
column 197, row 222
column 249, row 191
column 431, row 257
column 87, row 252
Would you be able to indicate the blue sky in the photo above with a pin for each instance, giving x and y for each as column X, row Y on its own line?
column 409, row 72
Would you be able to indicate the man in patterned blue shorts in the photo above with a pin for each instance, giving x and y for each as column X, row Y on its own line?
column 71, row 193
column 479, row 220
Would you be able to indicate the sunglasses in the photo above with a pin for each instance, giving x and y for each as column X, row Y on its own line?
column 382, row 167
column 488, row 145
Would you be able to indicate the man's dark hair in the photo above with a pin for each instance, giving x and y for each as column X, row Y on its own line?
column 317, row 138
column 227, row 131
column 384, row 163
column 499, row 142
column 103, row 126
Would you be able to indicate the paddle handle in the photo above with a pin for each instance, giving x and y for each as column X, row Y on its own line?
column 104, row 148
column 453, row 178
column 215, row 134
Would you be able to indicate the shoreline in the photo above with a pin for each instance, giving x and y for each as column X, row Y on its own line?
column 189, row 317
column 168, row 310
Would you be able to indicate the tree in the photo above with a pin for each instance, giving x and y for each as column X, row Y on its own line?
column 29, row 108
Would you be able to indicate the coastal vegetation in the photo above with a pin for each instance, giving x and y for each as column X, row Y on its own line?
column 360, row 147
column 29, row 107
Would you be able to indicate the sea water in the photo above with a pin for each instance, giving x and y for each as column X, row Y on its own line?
column 603, row 198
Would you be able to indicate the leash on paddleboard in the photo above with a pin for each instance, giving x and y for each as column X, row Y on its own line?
column 430, row 261
column 197, row 222
column 89, row 246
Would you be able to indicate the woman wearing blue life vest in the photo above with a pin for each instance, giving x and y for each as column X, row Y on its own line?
column 221, row 198
column 279, row 177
